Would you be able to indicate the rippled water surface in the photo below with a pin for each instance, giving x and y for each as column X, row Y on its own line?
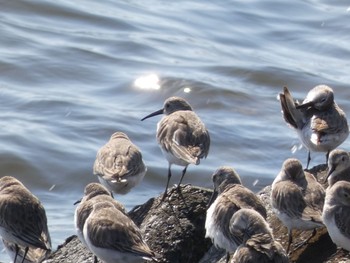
column 73, row 72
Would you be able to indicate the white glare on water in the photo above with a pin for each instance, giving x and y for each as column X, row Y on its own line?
column 149, row 82
column 187, row 90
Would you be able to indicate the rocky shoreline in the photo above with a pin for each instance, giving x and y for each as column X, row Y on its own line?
column 175, row 230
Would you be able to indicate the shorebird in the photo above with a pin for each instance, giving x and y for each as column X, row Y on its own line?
column 336, row 214
column 93, row 193
column 297, row 199
column 113, row 237
column 119, row 165
column 181, row 136
column 320, row 123
column 223, row 174
column 338, row 167
column 231, row 197
column 254, row 236
column 23, row 221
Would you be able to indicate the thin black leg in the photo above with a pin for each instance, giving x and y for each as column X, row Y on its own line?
column 327, row 156
column 16, row 250
column 290, row 239
column 302, row 243
column 308, row 160
column 182, row 177
column 227, row 257
column 167, row 185
column 312, row 235
column 25, row 254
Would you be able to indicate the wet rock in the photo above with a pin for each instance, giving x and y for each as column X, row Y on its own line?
column 175, row 228
column 175, row 231
column 71, row 251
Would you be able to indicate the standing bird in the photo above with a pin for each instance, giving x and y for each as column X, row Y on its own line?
column 113, row 237
column 23, row 221
column 336, row 214
column 231, row 197
column 257, row 244
column 223, row 174
column 338, row 167
column 93, row 193
column 321, row 125
column 181, row 136
column 119, row 165
column 297, row 199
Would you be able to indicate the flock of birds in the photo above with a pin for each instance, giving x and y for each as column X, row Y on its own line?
column 236, row 217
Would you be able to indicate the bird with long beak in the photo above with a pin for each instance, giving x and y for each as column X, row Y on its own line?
column 297, row 199
column 320, row 123
column 338, row 167
column 336, row 214
column 181, row 136
column 229, row 196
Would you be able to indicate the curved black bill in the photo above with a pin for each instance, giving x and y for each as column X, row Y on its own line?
column 158, row 112
column 212, row 198
column 77, row 202
column 331, row 170
column 305, row 105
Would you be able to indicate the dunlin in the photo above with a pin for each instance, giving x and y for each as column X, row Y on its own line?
column 338, row 167
column 321, row 125
column 232, row 196
column 119, row 165
column 93, row 193
column 257, row 244
column 336, row 213
column 223, row 173
column 23, row 219
column 181, row 135
column 113, row 237
column 297, row 199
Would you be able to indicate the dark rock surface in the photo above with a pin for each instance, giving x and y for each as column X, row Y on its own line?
column 175, row 230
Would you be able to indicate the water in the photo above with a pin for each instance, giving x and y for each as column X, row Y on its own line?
column 73, row 72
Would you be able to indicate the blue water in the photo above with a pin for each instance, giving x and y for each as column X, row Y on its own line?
column 74, row 72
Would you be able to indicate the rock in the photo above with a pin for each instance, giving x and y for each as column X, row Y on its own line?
column 175, row 231
column 71, row 251
column 175, row 228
